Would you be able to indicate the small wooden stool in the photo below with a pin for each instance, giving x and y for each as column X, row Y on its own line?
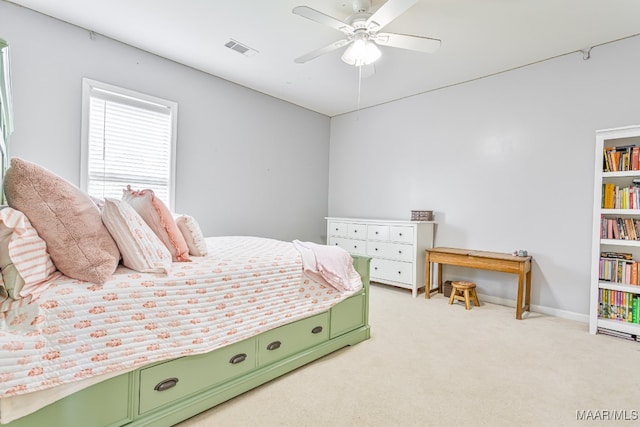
column 464, row 291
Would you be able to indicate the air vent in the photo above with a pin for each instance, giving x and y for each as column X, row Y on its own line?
column 241, row 48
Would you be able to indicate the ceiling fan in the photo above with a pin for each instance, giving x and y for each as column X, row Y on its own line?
column 362, row 34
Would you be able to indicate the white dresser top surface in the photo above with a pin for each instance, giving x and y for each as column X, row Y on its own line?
column 377, row 221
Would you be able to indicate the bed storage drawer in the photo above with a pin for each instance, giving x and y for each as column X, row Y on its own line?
column 173, row 380
column 286, row 340
column 87, row 404
column 347, row 315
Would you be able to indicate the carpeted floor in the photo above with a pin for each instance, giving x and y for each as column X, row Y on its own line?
column 433, row 364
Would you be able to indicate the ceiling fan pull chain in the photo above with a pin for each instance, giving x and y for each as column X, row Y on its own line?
column 359, row 85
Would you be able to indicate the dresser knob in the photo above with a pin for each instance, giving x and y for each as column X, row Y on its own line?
column 399, row 252
column 376, row 249
column 399, row 272
column 375, row 268
column 376, row 232
column 400, row 234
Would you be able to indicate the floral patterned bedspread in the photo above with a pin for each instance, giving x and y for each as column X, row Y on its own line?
column 76, row 330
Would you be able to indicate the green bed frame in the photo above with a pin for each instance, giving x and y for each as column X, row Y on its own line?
column 166, row 393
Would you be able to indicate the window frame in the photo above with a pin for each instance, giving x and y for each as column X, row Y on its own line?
column 87, row 86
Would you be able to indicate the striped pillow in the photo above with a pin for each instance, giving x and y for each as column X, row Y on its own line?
column 24, row 260
column 140, row 248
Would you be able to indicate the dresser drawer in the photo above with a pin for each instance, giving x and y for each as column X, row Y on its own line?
column 337, row 228
column 378, row 232
column 193, row 373
column 397, row 251
column 394, row 271
column 289, row 339
column 401, row 233
column 357, row 231
column 355, row 247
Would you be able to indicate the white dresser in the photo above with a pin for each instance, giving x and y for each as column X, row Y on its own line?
column 397, row 248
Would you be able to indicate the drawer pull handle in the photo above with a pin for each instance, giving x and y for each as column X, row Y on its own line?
column 355, row 246
column 336, row 244
column 400, row 234
column 376, row 232
column 166, row 384
column 316, row 330
column 238, row 358
column 355, row 231
column 399, row 252
column 375, row 268
column 376, row 249
column 274, row 345
column 399, row 272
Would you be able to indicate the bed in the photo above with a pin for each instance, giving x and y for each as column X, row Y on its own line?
column 158, row 342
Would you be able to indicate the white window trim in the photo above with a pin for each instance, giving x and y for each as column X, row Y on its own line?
column 87, row 86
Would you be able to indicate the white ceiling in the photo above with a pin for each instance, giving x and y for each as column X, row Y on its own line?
column 479, row 38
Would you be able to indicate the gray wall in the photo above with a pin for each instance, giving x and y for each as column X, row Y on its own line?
column 506, row 162
column 247, row 163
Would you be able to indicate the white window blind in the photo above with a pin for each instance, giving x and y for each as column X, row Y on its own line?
column 128, row 139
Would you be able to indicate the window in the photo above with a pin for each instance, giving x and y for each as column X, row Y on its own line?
column 128, row 138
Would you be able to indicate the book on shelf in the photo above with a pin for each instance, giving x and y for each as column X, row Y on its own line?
column 609, row 194
column 618, row 271
column 621, row 158
column 618, row 305
column 620, row 228
column 616, row 255
column 616, row 197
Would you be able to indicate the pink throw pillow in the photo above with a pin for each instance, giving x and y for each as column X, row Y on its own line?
column 67, row 220
column 159, row 219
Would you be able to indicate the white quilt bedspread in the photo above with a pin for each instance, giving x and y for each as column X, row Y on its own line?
column 76, row 330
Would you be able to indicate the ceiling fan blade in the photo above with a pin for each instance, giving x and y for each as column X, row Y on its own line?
column 421, row 44
column 388, row 12
column 315, row 53
column 314, row 15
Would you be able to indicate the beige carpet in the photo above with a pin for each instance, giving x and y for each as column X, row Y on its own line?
column 432, row 364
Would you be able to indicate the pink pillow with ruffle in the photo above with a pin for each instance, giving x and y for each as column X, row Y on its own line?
column 159, row 219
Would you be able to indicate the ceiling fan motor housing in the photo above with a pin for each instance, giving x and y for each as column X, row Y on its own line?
column 361, row 5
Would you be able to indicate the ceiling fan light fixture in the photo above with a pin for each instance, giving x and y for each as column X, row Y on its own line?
column 361, row 52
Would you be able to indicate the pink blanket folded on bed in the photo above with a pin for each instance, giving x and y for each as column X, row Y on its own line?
column 330, row 265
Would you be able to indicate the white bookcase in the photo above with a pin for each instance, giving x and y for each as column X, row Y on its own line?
column 397, row 248
column 612, row 138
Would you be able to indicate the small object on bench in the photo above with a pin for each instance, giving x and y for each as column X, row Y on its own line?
column 464, row 291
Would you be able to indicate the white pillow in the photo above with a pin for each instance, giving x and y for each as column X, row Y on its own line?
column 139, row 246
column 24, row 260
column 192, row 234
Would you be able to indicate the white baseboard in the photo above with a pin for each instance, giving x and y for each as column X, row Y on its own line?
column 537, row 308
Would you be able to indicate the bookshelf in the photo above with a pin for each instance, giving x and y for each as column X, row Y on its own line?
column 615, row 272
